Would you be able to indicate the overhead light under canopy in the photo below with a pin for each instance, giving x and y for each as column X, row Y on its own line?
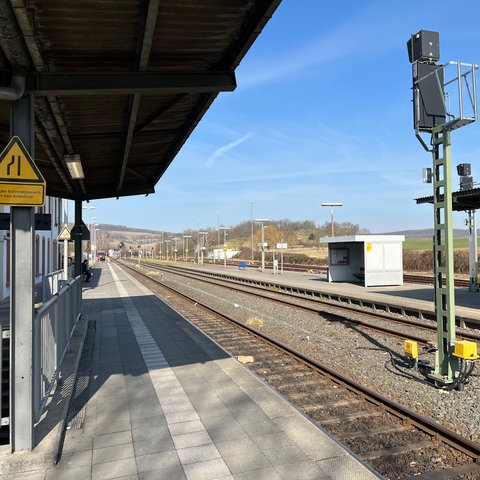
column 74, row 166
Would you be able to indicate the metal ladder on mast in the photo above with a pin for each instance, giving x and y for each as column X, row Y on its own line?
column 446, row 365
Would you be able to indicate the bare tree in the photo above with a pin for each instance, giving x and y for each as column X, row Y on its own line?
column 103, row 240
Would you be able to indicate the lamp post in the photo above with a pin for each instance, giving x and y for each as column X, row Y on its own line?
column 262, row 221
column 166, row 248
column 91, row 207
column 332, row 204
column 94, row 243
column 185, row 250
column 224, row 245
column 202, row 244
column 175, row 248
column 251, row 222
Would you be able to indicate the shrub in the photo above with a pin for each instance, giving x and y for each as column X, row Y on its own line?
column 417, row 261
column 422, row 261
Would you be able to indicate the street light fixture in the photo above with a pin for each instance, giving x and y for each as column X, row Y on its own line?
column 262, row 221
column 332, row 204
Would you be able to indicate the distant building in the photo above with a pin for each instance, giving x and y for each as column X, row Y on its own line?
column 219, row 254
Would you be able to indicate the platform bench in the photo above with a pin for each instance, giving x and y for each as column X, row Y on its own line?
column 242, row 266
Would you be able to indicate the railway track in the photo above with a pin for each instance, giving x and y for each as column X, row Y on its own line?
column 385, row 322
column 424, row 280
column 396, row 441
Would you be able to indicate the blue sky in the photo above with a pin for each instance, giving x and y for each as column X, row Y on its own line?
column 322, row 113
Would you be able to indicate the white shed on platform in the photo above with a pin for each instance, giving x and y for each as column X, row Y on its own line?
column 374, row 260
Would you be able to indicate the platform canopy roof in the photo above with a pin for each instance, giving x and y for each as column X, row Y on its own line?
column 462, row 200
column 121, row 83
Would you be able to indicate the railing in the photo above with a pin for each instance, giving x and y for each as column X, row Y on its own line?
column 54, row 281
column 4, row 372
column 53, row 326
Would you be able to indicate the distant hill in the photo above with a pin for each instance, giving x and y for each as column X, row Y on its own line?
column 123, row 228
column 124, row 232
column 426, row 233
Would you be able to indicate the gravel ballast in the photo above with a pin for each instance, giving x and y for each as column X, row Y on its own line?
column 374, row 359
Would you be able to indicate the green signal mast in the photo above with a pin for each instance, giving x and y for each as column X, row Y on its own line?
column 444, row 99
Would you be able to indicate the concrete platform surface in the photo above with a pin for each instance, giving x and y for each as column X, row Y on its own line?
column 155, row 398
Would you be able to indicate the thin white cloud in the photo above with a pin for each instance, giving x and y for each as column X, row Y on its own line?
column 363, row 34
column 219, row 152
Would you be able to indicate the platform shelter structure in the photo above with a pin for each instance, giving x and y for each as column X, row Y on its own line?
column 374, row 260
column 101, row 120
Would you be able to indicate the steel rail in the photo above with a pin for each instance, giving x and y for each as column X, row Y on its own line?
column 346, row 307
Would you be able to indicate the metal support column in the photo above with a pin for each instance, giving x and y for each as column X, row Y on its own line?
column 22, row 296
column 78, row 237
column 446, row 365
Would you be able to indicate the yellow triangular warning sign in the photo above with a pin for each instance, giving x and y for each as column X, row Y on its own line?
column 16, row 164
column 21, row 183
column 64, row 234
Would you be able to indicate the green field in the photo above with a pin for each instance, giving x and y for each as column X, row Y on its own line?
column 426, row 243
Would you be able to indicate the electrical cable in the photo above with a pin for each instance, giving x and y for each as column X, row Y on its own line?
column 393, row 363
column 465, row 369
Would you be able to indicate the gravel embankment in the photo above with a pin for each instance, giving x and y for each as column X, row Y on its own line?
column 363, row 355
